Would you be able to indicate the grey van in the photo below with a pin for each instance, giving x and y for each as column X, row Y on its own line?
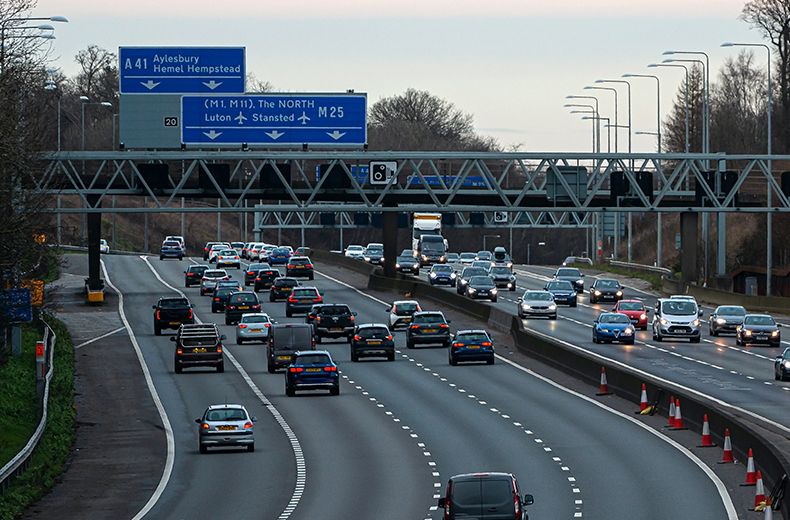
column 284, row 341
column 484, row 496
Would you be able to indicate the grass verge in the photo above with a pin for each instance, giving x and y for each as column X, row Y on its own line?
column 49, row 459
column 653, row 279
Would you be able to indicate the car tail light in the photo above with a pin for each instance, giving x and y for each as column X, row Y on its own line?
column 318, row 319
column 158, row 315
column 250, row 273
column 516, row 503
column 190, row 275
column 231, row 307
column 414, row 327
column 444, row 326
column 289, row 266
column 258, row 279
column 357, row 337
column 292, row 299
column 267, row 325
column 205, row 249
column 247, row 425
column 216, row 299
column 179, row 351
column 447, row 500
column 486, row 343
column 256, row 307
column 242, row 326
column 312, row 343
column 419, row 308
column 205, row 426
column 309, row 266
column 318, row 300
column 219, row 349
column 352, row 319
column 458, row 344
column 389, row 338
column 330, row 369
column 190, row 314
column 295, row 370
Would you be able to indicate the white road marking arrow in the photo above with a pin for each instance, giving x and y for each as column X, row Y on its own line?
column 150, row 84
column 212, row 84
column 336, row 135
column 212, row 134
column 274, row 134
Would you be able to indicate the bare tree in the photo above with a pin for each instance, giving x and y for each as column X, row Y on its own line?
column 98, row 76
column 674, row 133
column 256, row 85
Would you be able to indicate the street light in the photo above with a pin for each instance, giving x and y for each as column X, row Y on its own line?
column 598, row 119
column 628, row 86
column 597, row 111
column 616, row 121
column 487, row 236
column 594, row 118
column 51, row 85
column 684, row 67
column 658, row 104
column 706, row 102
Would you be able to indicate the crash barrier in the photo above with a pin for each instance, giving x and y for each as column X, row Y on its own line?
column 65, row 247
column 338, row 259
column 777, row 304
column 19, row 462
column 663, row 271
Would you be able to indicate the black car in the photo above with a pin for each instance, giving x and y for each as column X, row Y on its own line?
column 313, row 370
column 428, row 327
column 606, row 290
column 490, row 495
column 725, row 318
column 573, row 275
column 313, row 312
column 198, row 345
column 481, row 287
column 301, row 300
column 333, row 321
column 503, row 277
column 285, row 339
column 782, row 366
column 252, row 272
column 442, row 274
column 484, row 255
column 264, row 279
column 471, row 345
column 407, row 264
column 299, row 266
column 372, row 340
column 220, row 297
column 563, row 292
column 281, row 288
column 374, row 254
column 171, row 313
column 240, row 303
column 758, row 328
column 193, row 275
column 466, row 274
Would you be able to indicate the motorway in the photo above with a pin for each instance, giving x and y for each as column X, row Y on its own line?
column 739, row 376
column 385, row 447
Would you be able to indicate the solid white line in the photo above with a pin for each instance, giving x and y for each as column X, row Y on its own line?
column 301, row 466
column 84, row 343
column 171, row 445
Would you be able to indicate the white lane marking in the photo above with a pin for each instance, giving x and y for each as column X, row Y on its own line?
column 171, row 445
column 301, row 466
column 92, row 340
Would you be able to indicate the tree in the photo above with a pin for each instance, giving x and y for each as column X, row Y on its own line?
column 255, row 85
column 98, row 76
column 674, row 133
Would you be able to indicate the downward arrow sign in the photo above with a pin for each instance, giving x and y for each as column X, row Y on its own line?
column 212, row 84
column 336, row 135
column 212, row 134
column 150, row 84
column 274, row 134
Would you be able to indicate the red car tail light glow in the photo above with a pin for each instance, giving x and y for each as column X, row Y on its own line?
column 330, row 369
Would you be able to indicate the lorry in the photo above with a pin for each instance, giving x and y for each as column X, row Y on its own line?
column 426, row 224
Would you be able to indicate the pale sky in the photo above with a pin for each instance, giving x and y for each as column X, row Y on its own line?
column 509, row 63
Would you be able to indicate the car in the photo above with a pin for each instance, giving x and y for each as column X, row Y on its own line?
column 215, row 250
column 572, row 275
column 238, row 246
column 228, row 258
column 563, row 292
column 208, row 247
column 193, row 274
column 758, row 328
column 466, row 274
column 605, row 289
column 468, row 495
column 683, row 297
column 312, row 370
column 501, row 257
column 253, row 326
column 244, row 251
column 635, row 310
column 230, row 284
column 471, row 345
column 407, row 264
column 171, row 249
column 179, row 239
column 208, row 282
column 251, row 272
column 613, row 326
column 279, row 256
column 171, row 313
column 264, row 279
column 725, row 318
column 374, row 254
column 303, row 251
column 484, row 255
column 333, row 321
column 537, row 303
column 452, row 258
column 300, row 266
column 240, row 303
column 676, row 318
column 313, row 312
column 354, row 251
column 104, row 247
column 372, row 340
column 466, row 258
column 408, row 252
column 401, row 312
column 281, row 288
column 285, row 339
column 198, row 345
column 481, row 287
column 503, row 277
column 254, row 250
column 225, row 425
column 301, row 299
column 266, row 250
column 442, row 274
column 428, row 327
column 571, row 260
column 782, row 366
column 482, row 264
column 220, row 297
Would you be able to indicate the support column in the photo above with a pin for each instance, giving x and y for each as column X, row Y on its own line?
column 94, row 235
column 688, row 246
column 390, row 241
column 721, row 247
column 659, row 240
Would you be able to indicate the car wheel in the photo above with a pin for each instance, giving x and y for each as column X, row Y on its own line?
column 595, row 338
column 312, row 277
column 157, row 331
column 354, row 356
column 180, row 258
column 777, row 377
column 491, row 360
column 712, row 332
column 289, row 391
column 409, row 344
column 221, row 367
column 737, row 341
column 630, row 341
column 271, row 298
column 318, row 339
column 270, row 368
column 593, row 301
column 161, row 257
column 227, row 321
column 251, row 448
column 335, row 390
column 554, row 317
column 202, row 449
column 391, row 357
column 512, row 289
column 695, row 340
column 239, row 341
column 573, row 304
column 349, row 339
column 178, row 368
column 288, row 314
column 452, row 360
column 493, row 300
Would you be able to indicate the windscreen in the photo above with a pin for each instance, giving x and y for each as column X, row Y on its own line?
column 501, row 271
column 569, row 272
column 283, row 282
column 466, row 496
column 404, row 258
column 607, row 284
column 472, row 337
column 473, row 271
column 198, row 269
column 614, row 318
column 224, row 292
column 334, row 310
column 631, row 306
column 498, row 494
column 442, row 269
column 173, row 303
column 254, row 319
column 560, row 286
column 481, row 281
column 257, row 267
column 171, row 244
column 680, row 307
column 484, row 255
column 244, row 298
column 433, row 247
column 373, row 332
column 292, row 338
column 758, row 320
column 404, row 309
column 467, row 256
column 313, row 359
column 500, row 255
column 226, row 414
column 214, row 274
column 305, row 293
column 429, row 318
column 538, row 296
column 731, row 311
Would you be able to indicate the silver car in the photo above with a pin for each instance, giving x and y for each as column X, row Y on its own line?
column 225, row 425
column 254, row 326
column 537, row 303
column 210, row 278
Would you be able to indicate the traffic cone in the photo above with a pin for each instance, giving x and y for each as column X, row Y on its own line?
column 643, row 399
column 707, row 440
column 678, row 417
column 726, row 456
column 769, row 513
column 759, row 494
column 603, row 388
column 751, row 475
column 671, row 421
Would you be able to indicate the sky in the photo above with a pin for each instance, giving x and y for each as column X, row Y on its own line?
column 508, row 63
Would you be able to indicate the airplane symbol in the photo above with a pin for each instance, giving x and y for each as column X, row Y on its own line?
column 240, row 118
column 304, row 119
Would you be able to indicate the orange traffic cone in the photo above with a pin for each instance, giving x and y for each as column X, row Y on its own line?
column 726, row 456
column 603, row 388
column 678, row 417
column 671, row 421
column 759, row 495
column 643, row 399
column 707, row 440
column 751, row 475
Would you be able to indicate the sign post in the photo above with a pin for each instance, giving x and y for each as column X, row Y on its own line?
column 41, row 360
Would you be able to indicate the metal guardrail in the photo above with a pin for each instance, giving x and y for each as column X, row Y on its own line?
column 663, row 271
column 67, row 247
column 19, row 463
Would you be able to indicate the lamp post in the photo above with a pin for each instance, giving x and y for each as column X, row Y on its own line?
column 686, row 94
column 596, row 141
column 4, row 26
column 658, row 105
column 608, row 132
column 597, row 111
column 616, row 122
column 487, row 236
column 51, row 85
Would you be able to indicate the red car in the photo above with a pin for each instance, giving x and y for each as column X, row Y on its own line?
column 635, row 310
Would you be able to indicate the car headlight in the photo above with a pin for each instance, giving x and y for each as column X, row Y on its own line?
column 628, row 331
column 493, row 291
column 787, row 364
column 663, row 321
column 695, row 323
column 397, row 266
column 442, row 259
column 774, row 333
column 642, row 317
column 552, row 307
column 619, row 293
column 463, row 282
column 525, row 307
column 432, row 275
column 597, row 292
column 367, row 259
column 747, row 332
column 580, row 282
column 424, row 258
column 509, row 285
column 472, row 290
column 720, row 321
column 453, row 276
column 510, row 264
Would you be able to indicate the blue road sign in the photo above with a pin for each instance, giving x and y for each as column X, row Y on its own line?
column 16, row 305
column 275, row 119
column 181, row 70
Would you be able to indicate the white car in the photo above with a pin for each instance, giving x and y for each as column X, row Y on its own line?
column 402, row 311
column 253, row 327
column 104, row 247
column 214, row 251
column 228, row 258
column 355, row 251
column 265, row 250
column 537, row 303
column 179, row 239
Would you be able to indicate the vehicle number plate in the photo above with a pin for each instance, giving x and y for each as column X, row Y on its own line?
column 243, row 307
column 429, row 331
column 199, row 350
column 313, row 370
column 226, row 427
column 299, row 266
column 374, row 342
column 473, row 346
column 175, row 323
column 283, row 358
column 286, row 289
column 336, row 329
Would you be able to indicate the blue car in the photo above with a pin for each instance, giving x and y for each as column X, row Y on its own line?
column 613, row 326
column 442, row 274
column 562, row 291
column 171, row 249
column 471, row 345
column 279, row 255
column 312, row 370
